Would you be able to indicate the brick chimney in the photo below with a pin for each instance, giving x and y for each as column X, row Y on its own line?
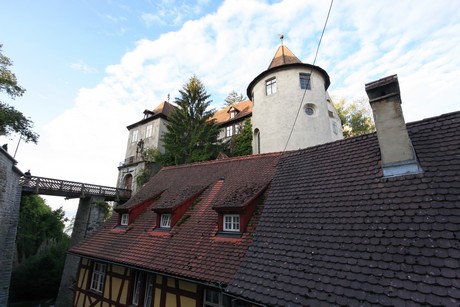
column 398, row 155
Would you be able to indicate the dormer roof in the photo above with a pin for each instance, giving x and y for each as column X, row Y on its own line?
column 243, row 109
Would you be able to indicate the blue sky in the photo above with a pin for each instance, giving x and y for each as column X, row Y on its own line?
column 91, row 67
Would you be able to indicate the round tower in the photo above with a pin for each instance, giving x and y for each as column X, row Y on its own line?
column 276, row 95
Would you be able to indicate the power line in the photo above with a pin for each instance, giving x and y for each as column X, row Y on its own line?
column 311, row 72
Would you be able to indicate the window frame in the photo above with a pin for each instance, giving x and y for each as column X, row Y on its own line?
column 232, row 223
column 165, row 220
column 229, row 131
column 98, row 277
column 136, row 288
column 124, row 220
column 134, row 136
column 149, row 131
column 270, row 86
column 223, row 299
column 305, row 81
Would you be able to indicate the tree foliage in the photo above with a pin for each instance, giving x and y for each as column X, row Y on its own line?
column 233, row 98
column 38, row 225
column 191, row 136
column 42, row 246
column 356, row 117
column 242, row 142
column 12, row 120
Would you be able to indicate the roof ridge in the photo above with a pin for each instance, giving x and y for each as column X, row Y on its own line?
column 230, row 159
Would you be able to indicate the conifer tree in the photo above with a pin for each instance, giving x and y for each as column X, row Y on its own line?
column 191, row 136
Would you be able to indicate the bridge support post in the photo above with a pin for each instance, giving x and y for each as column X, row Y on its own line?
column 90, row 215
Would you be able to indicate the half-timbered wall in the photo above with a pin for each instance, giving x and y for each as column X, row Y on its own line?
column 128, row 287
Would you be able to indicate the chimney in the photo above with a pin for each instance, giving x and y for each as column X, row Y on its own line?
column 398, row 155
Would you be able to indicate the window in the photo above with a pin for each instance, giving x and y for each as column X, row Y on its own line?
column 304, row 81
column 232, row 113
column 335, row 129
column 214, row 298
column 309, row 109
column 165, row 220
column 149, row 131
column 136, row 288
column 229, row 131
column 270, row 85
column 97, row 281
column 237, row 128
column 124, row 219
column 231, row 222
column 148, row 291
column 134, row 136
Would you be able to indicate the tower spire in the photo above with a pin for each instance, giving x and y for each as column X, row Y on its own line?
column 281, row 36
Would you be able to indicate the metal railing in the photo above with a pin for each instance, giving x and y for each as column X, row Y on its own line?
column 71, row 189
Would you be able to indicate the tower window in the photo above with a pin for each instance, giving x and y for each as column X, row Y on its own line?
column 270, row 85
column 134, row 136
column 149, row 131
column 304, row 81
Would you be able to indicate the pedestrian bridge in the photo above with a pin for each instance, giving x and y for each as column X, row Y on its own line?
column 71, row 189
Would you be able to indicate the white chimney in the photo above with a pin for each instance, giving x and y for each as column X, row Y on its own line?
column 398, row 155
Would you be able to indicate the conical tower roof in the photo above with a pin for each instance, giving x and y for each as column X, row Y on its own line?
column 283, row 56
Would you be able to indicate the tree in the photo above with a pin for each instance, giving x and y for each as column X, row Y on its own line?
column 42, row 247
column 191, row 136
column 356, row 117
column 38, row 225
column 12, row 120
column 242, row 142
column 233, row 98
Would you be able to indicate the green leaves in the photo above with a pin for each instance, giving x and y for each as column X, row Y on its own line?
column 12, row 120
column 356, row 117
column 191, row 136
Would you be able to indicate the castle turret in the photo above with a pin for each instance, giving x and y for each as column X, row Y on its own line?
column 278, row 92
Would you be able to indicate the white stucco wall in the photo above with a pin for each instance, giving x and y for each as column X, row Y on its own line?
column 274, row 114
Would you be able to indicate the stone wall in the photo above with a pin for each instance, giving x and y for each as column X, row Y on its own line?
column 10, row 199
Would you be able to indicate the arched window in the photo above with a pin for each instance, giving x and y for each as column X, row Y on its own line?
column 128, row 182
column 256, row 141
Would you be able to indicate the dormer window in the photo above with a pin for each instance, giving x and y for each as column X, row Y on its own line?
column 231, row 222
column 165, row 221
column 124, row 219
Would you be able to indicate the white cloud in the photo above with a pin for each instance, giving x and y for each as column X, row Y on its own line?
column 364, row 41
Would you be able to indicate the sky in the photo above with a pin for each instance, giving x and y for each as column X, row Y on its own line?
column 91, row 67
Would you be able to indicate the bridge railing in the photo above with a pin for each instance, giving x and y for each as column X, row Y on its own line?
column 49, row 186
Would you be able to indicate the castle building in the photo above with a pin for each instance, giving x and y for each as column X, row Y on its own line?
column 144, row 134
column 291, row 106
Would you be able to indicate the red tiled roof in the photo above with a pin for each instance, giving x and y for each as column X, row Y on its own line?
column 334, row 232
column 244, row 109
column 191, row 248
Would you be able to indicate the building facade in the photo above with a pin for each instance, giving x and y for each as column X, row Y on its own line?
column 143, row 135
